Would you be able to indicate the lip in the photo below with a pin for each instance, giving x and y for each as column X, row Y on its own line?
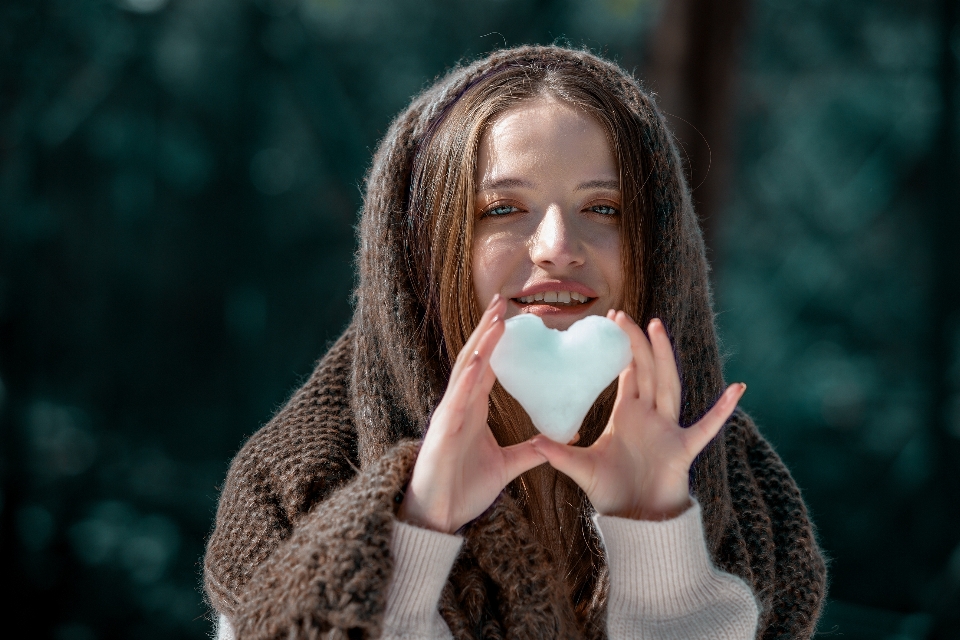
column 544, row 309
column 557, row 285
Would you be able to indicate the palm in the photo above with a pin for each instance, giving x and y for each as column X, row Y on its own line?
column 639, row 465
column 478, row 474
column 461, row 468
column 627, row 464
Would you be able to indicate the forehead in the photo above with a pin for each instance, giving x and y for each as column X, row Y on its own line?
column 542, row 133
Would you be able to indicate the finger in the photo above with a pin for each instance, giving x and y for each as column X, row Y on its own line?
column 667, row 377
column 474, row 382
column 699, row 435
column 642, row 357
column 471, row 371
column 485, row 385
column 494, row 311
column 482, row 355
column 574, row 462
column 519, row 458
column 627, row 385
column 458, row 398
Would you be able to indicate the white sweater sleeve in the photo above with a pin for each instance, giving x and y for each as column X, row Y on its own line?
column 663, row 585
column 422, row 560
column 224, row 629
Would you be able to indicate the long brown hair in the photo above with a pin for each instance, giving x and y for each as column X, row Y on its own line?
column 439, row 237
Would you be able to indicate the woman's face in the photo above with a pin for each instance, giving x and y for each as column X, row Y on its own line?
column 547, row 233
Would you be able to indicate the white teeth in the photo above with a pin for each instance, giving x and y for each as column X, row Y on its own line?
column 562, row 297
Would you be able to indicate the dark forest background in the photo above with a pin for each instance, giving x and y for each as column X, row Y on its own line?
column 179, row 185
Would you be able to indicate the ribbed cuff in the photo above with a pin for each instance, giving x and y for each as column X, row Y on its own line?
column 224, row 628
column 422, row 560
column 658, row 569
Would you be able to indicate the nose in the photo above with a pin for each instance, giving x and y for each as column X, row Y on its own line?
column 555, row 242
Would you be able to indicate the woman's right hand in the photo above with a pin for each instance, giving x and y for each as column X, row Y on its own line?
column 461, row 468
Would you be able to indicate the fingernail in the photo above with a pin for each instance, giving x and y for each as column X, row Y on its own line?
column 743, row 387
column 494, row 319
column 495, row 300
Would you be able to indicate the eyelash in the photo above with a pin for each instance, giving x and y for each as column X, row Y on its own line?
column 612, row 211
column 490, row 211
column 609, row 211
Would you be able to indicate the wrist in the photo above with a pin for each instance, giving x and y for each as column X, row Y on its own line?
column 656, row 511
column 656, row 503
column 412, row 513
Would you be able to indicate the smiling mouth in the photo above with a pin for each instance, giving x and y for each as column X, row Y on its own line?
column 565, row 299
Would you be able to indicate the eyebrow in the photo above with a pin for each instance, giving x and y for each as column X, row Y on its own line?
column 612, row 185
column 505, row 183
column 512, row 183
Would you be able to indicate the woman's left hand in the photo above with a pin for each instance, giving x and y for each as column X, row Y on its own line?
column 639, row 466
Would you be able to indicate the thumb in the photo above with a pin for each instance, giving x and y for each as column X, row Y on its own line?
column 697, row 436
column 573, row 462
column 519, row 458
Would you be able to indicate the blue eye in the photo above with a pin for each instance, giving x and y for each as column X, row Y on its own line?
column 501, row 210
column 604, row 210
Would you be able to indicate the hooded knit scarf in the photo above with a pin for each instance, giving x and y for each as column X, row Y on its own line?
column 301, row 544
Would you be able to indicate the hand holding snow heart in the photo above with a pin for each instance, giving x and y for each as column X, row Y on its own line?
column 637, row 468
column 461, row 468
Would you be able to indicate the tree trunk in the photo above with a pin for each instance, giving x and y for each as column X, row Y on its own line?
column 944, row 337
column 693, row 65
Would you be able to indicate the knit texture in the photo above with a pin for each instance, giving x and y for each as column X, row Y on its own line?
column 423, row 560
column 663, row 584
column 300, row 546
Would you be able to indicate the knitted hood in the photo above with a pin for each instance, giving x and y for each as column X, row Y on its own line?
column 301, row 544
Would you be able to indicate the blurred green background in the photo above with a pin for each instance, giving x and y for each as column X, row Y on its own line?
column 179, row 185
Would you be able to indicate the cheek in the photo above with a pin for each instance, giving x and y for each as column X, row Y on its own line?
column 491, row 258
column 610, row 262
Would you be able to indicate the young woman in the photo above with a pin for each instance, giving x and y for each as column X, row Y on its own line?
column 402, row 493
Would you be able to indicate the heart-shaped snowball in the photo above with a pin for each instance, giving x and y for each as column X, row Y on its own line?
column 557, row 375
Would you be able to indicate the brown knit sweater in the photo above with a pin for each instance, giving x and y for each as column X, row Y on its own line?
column 301, row 543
